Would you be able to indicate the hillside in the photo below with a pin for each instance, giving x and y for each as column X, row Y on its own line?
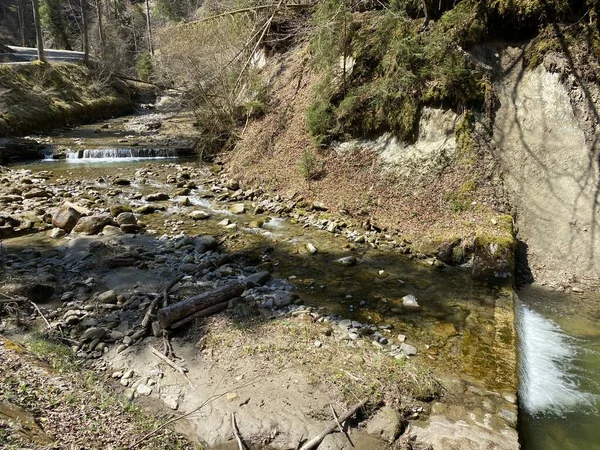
column 394, row 116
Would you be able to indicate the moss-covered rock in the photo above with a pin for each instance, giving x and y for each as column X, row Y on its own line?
column 494, row 254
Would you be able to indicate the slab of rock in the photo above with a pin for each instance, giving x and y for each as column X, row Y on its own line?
column 199, row 215
column 408, row 350
column 92, row 224
column 386, row 424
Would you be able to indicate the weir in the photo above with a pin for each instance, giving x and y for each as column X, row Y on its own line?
column 131, row 153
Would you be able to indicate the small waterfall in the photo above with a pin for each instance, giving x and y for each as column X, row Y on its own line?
column 547, row 383
column 123, row 153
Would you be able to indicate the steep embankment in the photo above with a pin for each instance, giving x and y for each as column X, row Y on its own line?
column 38, row 96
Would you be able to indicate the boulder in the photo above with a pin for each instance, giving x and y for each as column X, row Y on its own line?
column 36, row 292
column 346, row 261
column 108, row 297
column 92, row 224
column 126, row 218
column 205, row 243
column 66, row 218
column 386, row 424
column 410, row 302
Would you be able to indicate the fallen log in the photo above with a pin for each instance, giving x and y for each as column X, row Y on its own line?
column 178, row 311
column 207, row 303
column 314, row 442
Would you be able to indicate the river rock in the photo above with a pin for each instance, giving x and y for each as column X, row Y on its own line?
column 111, row 230
column 121, row 182
column 144, row 389
column 199, row 215
column 238, row 208
column 410, row 302
column 386, row 424
column 146, row 209
column 311, row 248
column 108, row 297
column 36, row 193
column 158, row 197
column 92, row 224
column 57, row 233
column 408, row 350
column 346, row 261
column 66, row 218
column 115, row 210
column 93, row 333
column 126, row 218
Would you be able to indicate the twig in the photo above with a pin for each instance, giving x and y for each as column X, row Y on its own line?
column 236, row 432
column 149, row 312
column 335, row 417
column 314, row 442
column 41, row 314
column 175, row 419
column 173, row 366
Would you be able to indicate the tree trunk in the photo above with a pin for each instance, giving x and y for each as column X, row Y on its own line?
column 174, row 313
column 150, row 45
column 100, row 25
column 86, row 42
column 38, row 30
column 21, row 13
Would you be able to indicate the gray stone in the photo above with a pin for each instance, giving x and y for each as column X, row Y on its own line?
column 144, row 389
column 158, row 197
column 66, row 218
column 92, row 224
column 386, row 424
column 199, row 215
column 410, row 302
column 346, row 261
column 93, row 333
column 311, row 248
column 57, row 233
column 126, row 218
column 238, row 208
column 108, row 297
column 408, row 350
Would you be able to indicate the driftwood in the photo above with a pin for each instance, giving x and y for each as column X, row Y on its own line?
column 207, row 303
column 175, row 313
column 150, row 311
column 314, row 442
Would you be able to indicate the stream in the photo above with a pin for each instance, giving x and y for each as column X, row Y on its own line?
column 462, row 329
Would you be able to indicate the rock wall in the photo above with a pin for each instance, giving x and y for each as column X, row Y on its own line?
column 550, row 170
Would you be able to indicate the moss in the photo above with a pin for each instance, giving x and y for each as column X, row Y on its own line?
column 396, row 69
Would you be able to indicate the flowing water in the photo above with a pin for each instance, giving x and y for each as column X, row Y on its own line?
column 559, row 335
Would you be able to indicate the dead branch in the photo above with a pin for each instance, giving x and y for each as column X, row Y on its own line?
column 335, row 417
column 171, row 364
column 236, row 433
column 314, row 442
column 149, row 313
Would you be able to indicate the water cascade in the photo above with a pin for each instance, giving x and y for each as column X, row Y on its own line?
column 123, row 153
column 547, row 384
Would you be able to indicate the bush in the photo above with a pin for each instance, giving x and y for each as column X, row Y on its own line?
column 397, row 69
column 144, row 66
column 307, row 166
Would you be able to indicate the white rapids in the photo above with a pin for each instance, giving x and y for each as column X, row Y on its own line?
column 546, row 353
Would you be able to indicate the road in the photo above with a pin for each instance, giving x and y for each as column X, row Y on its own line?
column 23, row 55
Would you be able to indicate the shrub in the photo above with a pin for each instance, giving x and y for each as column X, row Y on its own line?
column 144, row 66
column 307, row 166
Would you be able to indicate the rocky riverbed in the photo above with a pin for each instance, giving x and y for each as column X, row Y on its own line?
column 350, row 311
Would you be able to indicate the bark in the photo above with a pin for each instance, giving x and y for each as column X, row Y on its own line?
column 38, row 30
column 150, row 46
column 100, row 25
column 86, row 42
column 175, row 313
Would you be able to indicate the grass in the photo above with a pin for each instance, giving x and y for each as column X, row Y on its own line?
column 356, row 369
column 38, row 96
